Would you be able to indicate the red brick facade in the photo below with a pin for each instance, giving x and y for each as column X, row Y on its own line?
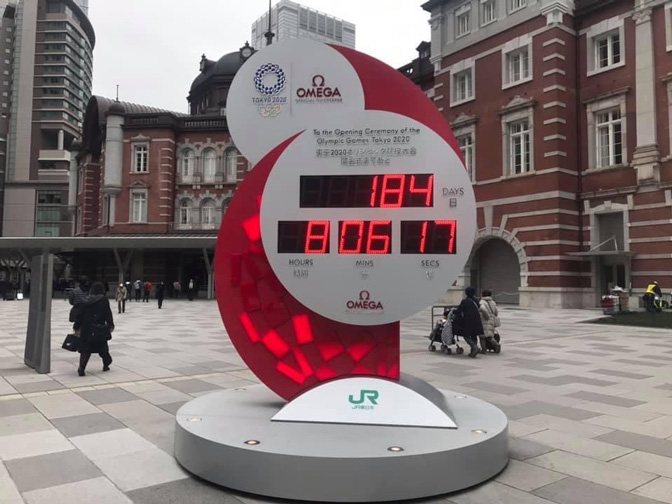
column 569, row 85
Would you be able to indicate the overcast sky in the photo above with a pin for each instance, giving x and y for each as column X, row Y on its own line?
column 152, row 48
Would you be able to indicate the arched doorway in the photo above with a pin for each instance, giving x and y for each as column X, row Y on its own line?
column 495, row 266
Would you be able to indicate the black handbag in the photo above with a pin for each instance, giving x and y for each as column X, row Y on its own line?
column 71, row 343
column 100, row 333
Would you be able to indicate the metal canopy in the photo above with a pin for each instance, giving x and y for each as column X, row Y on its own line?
column 65, row 244
column 602, row 253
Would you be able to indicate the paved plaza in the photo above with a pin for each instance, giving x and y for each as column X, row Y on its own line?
column 590, row 408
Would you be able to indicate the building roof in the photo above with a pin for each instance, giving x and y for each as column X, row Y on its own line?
column 227, row 66
column 137, row 242
column 95, row 119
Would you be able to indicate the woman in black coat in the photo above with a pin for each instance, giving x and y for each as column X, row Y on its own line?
column 94, row 325
column 471, row 316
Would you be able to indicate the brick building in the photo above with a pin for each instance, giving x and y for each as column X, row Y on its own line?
column 562, row 111
column 146, row 171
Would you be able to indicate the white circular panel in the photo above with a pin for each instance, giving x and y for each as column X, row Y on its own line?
column 285, row 88
column 337, row 170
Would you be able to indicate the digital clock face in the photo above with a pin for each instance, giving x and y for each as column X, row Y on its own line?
column 368, row 218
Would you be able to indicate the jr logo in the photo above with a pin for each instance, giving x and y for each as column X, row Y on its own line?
column 371, row 395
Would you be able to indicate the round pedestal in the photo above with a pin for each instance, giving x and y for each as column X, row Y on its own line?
column 228, row 438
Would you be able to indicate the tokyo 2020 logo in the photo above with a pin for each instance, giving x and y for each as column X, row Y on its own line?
column 270, row 104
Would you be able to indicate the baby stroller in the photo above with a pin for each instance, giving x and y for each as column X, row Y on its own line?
column 445, row 332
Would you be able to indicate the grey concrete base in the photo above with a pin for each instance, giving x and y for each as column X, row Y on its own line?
column 336, row 463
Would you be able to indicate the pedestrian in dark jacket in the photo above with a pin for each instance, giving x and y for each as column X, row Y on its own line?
column 94, row 325
column 76, row 299
column 471, row 315
column 160, row 293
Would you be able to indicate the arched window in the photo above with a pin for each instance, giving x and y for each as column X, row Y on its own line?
column 188, row 163
column 209, row 164
column 231, row 166
column 225, row 205
column 208, row 209
column 185, row 213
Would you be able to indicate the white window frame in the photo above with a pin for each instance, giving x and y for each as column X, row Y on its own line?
column 521, row 45
column 609, row 39
column 617, row 102
column 610, row 122
column 668, row 26
column 186, row 212
column 508, row 121
column 463, row 21
column 461, row 69
column 516, row 5
column 136, row 148
column 469, row 158
column 209, row 177
column 187, row 155
column 141, row 219
column 213, row 214
column 229, row 154
column 598, row 32
column 484, row 4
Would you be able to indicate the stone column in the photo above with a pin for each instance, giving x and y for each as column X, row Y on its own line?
column 61, row 139
column 646, row 157
column 73, row 185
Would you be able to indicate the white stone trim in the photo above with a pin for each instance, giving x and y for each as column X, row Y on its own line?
column 566, row 171
column 553, row 56
column 469, row 129
column 555, row 87
column 555, row 258
column 650, row 223
column 668, row 26
column 552, row 242
column 555, row 153
column 526, row 113
column 554, row 41
column 554, row 137
column 518, row 43
column 554, row 71
column 592, row 108
column 527, row 198
column 604, row 27
column 555, row 120
column 654, row 239
column 467, row 65
column 668, row 12
column 654, row 256
column 555, row 104
column 559, row 273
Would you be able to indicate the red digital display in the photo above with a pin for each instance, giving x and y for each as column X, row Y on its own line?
column 429, row 237
column 365, row 237
column 303, row 237
column 367, row 191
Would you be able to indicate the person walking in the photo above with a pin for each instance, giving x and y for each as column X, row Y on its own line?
column 490, row 316
column 471, row 316
column 176, row 289
column 190, row 290
column 128, row 290
column 121, row 297
column 148, row 291
column 160, row 293
column 94, row 326
column 76, row 299
column 137, row 286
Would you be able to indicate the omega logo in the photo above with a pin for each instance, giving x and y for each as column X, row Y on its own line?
column 365, row 303
column 319, row 90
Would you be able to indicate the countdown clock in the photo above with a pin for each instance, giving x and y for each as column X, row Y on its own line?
column 358, row 213
column 368, row 231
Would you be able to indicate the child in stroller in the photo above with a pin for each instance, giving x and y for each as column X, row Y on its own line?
column 445, row 332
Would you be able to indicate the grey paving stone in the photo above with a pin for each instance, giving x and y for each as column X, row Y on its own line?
column 640, row 363
column 97, row 490
column 51, row 470
column 620, row 374
column 638, row 442
column 657, row 357
column 664, row 386
column 533, row 408
column 183, row 491
column 527, row 477
column 578, row 491
column 16, row 407
column 107, row 396
column 606, row 399
column 494, row 492
column 172, row 408
column 522, row 449
column 590, row 352
column 534, row 365
column 190, row 370
column 86, row 424
column 41, row 386
column 192, row 386
column 563, row 380
column 493, row 387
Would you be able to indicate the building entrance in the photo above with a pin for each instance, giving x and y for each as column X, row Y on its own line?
column 495, row 266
